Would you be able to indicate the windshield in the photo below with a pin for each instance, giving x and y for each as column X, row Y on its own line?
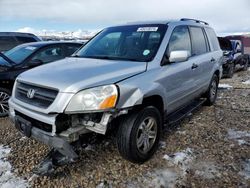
column 134, row 43
column 19, row 53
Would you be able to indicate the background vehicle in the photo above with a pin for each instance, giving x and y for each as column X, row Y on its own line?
column 128, row 77
column 9, row 40
column 228, row 57
column 241, row 46
column 27, row 56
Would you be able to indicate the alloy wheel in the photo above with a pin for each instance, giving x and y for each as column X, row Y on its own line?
column 4, row 107
column 146, row 134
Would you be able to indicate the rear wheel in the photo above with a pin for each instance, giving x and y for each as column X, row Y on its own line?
column 139, row 134
column 211, row 94
column 246, row 65
column 4, row 97
column 230, row 71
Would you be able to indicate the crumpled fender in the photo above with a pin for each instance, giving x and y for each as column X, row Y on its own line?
column 131, row 94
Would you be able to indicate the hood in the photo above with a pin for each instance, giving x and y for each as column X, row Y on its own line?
column 74, row 74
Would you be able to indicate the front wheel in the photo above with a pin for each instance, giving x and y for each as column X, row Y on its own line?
column 4, row 97
column 211, row 94
column 139, row 134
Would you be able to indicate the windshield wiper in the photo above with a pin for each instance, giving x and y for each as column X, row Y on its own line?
column 7, row 59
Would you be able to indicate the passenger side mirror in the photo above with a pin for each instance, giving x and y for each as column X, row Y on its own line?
column 179, row 56
column 34, row 63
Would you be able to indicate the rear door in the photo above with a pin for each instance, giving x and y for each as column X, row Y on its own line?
column 201, row 57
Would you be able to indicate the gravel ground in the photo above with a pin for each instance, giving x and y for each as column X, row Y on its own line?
column 210, row 148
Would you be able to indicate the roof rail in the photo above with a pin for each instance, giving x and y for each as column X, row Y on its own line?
column 197, row 21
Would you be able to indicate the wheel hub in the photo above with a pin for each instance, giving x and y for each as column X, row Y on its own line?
column 146, row 134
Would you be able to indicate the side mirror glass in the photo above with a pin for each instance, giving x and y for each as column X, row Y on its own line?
column 34, row 63
column 179, row 56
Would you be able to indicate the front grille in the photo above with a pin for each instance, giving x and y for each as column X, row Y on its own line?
column 35, row 95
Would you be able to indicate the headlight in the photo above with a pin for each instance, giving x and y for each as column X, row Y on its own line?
column 98, row 98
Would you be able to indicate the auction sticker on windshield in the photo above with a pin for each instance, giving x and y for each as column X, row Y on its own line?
column 143, row 29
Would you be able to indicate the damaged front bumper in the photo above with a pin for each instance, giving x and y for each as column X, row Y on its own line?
column 58, row 130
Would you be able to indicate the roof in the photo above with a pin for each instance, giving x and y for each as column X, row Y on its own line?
column 45, row 43
column 16, row 34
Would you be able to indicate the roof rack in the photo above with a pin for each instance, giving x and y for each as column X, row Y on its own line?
column 197, row 21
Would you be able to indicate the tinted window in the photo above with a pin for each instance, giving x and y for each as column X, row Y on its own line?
column 213, row 40
column 134, row 43
column 225, row 44
column 19, row 53
column 179, row 40
column 199, row 45
column 49, row 54
column 70, row 49
column 7, row 43
column 22, row 40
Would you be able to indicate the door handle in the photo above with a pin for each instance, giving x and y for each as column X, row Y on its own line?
column 194, row 66
column 212, row 60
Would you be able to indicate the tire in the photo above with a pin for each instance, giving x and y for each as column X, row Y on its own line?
column 230, row 71
column 211, row 93
column 246, row 65
column 4, row 97
column 133, row 139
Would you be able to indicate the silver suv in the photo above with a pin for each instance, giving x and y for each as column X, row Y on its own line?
column 127, row 78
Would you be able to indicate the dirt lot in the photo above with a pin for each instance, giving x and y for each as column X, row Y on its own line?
column 210, row 148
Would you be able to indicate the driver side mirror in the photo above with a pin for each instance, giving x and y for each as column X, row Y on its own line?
column 34, row 63
column 179, row 56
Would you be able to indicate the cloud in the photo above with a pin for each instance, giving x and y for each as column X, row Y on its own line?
column 71, row 34
column 223, row 15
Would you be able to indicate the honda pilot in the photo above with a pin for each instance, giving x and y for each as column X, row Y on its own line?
column 128, row 78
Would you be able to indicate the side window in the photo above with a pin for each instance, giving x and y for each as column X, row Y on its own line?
column 22, row 40
column 198, row 41
column 213, row 40
column 7, row 42
column 49, row 54
column 179, row 40
column 70, row 49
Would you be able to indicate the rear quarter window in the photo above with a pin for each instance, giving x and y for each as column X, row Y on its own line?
column 213, row 40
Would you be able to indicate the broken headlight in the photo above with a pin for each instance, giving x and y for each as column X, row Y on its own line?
column 98, row 98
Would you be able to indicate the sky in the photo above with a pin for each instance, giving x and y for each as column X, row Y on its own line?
column 224, row 16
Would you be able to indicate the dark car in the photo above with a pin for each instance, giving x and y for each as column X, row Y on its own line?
column 242, row 44
column 228, row 57
column 10, row 40
column 27, row 56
